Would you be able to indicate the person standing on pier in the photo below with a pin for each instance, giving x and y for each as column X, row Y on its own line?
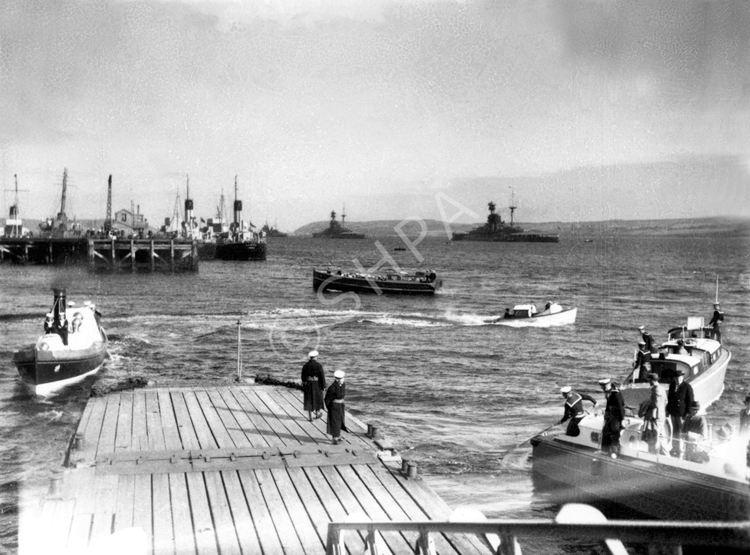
column 679, row 399
column 715, row 322
column 313, row 385
column 574, row 409
column 614, row 413
column 335, row 406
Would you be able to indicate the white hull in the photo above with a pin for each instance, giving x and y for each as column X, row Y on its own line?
column 563, row 318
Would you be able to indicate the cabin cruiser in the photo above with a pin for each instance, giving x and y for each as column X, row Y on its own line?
column 528, row 315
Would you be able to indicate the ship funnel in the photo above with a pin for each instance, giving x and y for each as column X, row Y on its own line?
column 58, row 310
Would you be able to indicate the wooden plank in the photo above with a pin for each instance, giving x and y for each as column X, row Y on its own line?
column 205, row 534
column 246, row 530
column 93, row 429
column 184, row 421
column 225, row 527
column 292, row 425
column 126, row 500
column 106, row 443
column 268, row 434
column 334, row 506
column 140, row 431
column 284, row 526
column 253, row 437
column 218, row 430
column 370, row 502
column 80, row 532
column 202, row 430
column 184, row 531
column 315, row 508
column 124, row 433
column 162, row 512
column 168, row 421
column 105, row 506
column 267, row 536
column 315, row 431
column 297, row 512
column 142, row 515
column 154, row 431
column 228, row 418
column 59, row 532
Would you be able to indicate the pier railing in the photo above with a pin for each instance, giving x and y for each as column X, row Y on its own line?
column 503, row 535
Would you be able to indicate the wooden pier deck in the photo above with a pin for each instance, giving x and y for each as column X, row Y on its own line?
column 235, row 469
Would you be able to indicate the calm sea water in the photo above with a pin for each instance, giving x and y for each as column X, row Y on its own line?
column 454, row 392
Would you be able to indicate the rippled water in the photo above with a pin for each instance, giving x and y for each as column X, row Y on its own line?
column 454, row 392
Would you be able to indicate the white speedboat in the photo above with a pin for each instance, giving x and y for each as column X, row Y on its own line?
column 524, row 315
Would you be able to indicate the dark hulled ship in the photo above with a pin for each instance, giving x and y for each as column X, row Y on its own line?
column 337, row 230
column 497, row 230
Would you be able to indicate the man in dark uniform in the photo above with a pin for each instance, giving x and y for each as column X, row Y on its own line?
column 648, row 339
column 313, row 385
column 679, row 399
column 715, row 322
column 335, row 406
column 574, row 409
column 614, row 413
column 643, row 360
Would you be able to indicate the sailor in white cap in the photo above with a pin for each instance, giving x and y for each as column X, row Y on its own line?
column 335, row 405
column 715, row 322
column 614, row 413
column 642, row 362
column 574, row 409
column 49, row 323
column 648, row 339
column 313, row 385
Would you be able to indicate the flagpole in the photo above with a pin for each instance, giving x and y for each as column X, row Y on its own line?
column 717, row 288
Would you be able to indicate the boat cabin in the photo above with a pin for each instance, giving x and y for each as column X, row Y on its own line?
column 696, row 357
column 523, row 311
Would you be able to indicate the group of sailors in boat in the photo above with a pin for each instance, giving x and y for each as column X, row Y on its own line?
column 61, row 326
column 427, row 276
column 672, row 423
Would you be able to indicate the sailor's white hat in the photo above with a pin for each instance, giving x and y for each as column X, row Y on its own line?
column 48, row 315
column 565, row 389
column 641, row 328
column 313, row 354
column 339, row 374
column 71, row 303
column 86, row 303
column 604, row 381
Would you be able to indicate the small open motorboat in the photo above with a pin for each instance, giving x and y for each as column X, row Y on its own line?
column 73, row 346
column 703, row 361
column 399, row 283
column 528, row 315
column 661, row 486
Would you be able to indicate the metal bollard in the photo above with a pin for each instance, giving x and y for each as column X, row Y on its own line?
column 78, row 441
column 404, row 466
column 374, row 432
column 55, row 483
column 369, row 430
column 411, row 470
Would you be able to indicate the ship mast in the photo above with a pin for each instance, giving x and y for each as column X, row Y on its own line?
column 512, row 204
column 188, row 211
column 61, row 216
column 108, row 217
column 343, row 214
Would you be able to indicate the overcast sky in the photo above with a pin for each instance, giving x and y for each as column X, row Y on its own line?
column 588, row 109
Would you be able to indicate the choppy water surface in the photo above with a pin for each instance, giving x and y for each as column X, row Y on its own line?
column 456, row 393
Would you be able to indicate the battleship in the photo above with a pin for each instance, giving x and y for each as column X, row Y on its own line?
column 337, row 230
column 497, row 230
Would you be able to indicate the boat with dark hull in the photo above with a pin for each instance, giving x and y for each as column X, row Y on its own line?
column 239, row 242
column 271, row 231
column 73, row 346
column 691, row 348
column 524, row 315
column 659, row 486
column 392, row 283
column 336, row 230
column 497, row 230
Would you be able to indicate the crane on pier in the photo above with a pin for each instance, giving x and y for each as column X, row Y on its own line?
column 108, row 216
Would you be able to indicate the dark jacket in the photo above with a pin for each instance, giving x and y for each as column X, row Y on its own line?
column 615, row 408
column 679, row 399
column 313, row 369
column 574, row 405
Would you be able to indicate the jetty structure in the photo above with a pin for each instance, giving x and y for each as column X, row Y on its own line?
column 240, row 469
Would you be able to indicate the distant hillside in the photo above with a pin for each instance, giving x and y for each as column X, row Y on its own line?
column 435, row 228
